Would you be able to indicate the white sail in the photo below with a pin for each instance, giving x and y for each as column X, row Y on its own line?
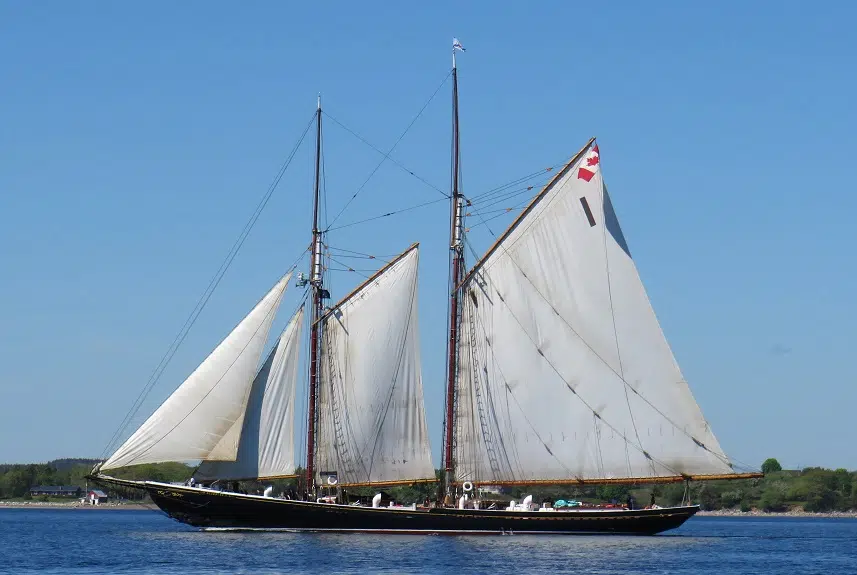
column 371, row 425
column 564, row 372
column 195, row 421
column 266, row 447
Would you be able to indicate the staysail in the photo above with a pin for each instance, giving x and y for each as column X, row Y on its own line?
column 564, row 372
column 371, row 426
column 266, row 448
column 198, row 420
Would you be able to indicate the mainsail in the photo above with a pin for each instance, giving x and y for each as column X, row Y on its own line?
column 198, row 421
column 371, row 422
column 266, row 448
column 564, row 373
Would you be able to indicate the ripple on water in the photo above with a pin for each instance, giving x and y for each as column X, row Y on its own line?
column 140, row 542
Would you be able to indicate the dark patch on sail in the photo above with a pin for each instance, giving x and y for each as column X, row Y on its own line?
column 587, row 211
column 612, row 223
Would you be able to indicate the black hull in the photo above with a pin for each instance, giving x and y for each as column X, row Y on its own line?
column 210, row 509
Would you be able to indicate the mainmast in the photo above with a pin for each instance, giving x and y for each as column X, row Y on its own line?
column 318, row 294
column 456, row 269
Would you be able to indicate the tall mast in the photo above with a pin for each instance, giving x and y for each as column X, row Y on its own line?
column 317, row 296
column 456, row 269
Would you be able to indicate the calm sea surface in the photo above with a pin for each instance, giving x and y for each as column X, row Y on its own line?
column 108, row 541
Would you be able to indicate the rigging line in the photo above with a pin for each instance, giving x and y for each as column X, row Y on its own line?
column 360, row 253
column 517, row 181
column 570, row 388
column 469, row 244
column 604, row 361
column 368, row 270
column 393, row 213
column 206, row 295
column 386, row 157
column 501, row 210
column 737, row 462
column 349, row 268
column 517, row 206
column 490, row 201
column 356, row 257
column 348, row 256
column 507, row 192
column 485, row 221
column 509, row 184
column 481, row 206
column 390, row 151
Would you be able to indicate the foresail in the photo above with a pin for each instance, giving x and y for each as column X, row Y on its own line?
column 195, row 421
column 564, row 373
column 266, row 447
column 371, row 426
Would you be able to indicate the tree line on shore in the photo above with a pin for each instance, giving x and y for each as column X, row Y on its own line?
column 813, row 489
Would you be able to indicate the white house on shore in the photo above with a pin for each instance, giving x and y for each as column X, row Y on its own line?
column 96, row 497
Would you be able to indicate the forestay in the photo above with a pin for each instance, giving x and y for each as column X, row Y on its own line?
column 564, row 372
column 371, row 425
column 266, row 447
column 195, row 421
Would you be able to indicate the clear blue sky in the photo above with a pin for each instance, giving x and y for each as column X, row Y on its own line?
column 136, row 140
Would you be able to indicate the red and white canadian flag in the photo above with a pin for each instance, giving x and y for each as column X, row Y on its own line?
column 589, row 165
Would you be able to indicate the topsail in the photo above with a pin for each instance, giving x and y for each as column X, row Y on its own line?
column 564, row 372
column 198, row 421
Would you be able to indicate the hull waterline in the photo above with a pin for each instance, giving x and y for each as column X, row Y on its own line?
column 219, row 510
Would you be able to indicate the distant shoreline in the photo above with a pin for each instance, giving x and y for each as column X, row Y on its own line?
column 791, row 513
column 141, row 507
column 75, row 505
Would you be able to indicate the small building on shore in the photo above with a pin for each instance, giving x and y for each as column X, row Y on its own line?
column 96, row 497
column 55, row 490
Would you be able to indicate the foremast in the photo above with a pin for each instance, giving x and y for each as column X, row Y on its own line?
column 456, row 271
column 317, row 288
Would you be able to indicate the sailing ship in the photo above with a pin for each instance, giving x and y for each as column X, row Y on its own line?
column 558, row 373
